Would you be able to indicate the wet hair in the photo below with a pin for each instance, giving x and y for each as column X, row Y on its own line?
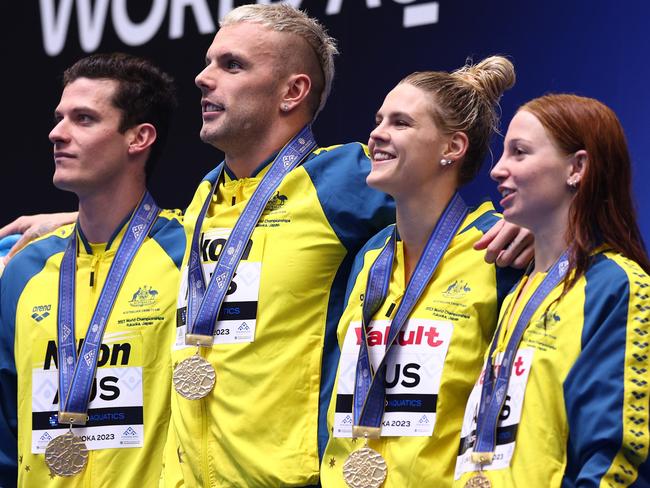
column 602, row 210
column 284, row 18
column 466, row 100
column 145, row 93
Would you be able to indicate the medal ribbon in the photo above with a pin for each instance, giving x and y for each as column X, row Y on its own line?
column 203, row 307
column 76, row 376
column 493, row 393
column 369, row 386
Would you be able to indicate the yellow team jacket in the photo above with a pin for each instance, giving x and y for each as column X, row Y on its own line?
column 129, row 408
column 274, row 350
column 433, row 368
column 576, row 411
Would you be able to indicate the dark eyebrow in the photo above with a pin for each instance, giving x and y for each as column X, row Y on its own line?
column 78, row 109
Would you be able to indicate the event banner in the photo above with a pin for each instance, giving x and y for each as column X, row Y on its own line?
column 592, row 48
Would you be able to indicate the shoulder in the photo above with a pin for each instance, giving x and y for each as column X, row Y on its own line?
column 169, row 234
column 30, row 261
column 378, row 241
column 611, row 272
column 212, row 176
column 168, row 221
column 354, row 210
column 339, row 162
column 615, row 293
column 481, row 218
column 352, row 151
column 39, row 250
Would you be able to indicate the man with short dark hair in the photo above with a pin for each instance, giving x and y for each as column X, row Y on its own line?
column 87, row 312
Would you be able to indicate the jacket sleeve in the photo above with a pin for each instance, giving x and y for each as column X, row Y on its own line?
column 8, row 399
column 606, row 391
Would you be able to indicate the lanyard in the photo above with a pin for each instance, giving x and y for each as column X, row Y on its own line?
column 203, row 307
column 493, row 393
column 76, row 375
column 369, row 386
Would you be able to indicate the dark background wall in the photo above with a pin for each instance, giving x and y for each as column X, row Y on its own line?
column 595, row 48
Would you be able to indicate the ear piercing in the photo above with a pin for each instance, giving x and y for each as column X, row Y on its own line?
column 573, row 182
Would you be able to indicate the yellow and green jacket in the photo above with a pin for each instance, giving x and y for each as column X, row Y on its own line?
column 275, row 352
column 581, row 417
column 433, row 365
column 129, row 408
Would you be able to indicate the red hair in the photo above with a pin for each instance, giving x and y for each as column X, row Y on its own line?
column 602, row 210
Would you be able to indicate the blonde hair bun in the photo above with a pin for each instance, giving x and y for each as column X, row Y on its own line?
column 491, row 77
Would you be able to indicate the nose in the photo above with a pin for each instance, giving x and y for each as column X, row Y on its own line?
column 59, row 134
column 499, row 171
column 204, row 81
column 378, row 134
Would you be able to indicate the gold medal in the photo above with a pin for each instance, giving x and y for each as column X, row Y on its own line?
column 479, row 480
column 194, row 378
column 66, row 455
column 365, row 468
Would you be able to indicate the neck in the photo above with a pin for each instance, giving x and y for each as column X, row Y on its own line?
column 550, row 242
column 101, row 212
column 245, row 159
column 416, row 218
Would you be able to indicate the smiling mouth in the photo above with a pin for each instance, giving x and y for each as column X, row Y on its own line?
column 208, row 107
column 506, row 192
column 382, row 156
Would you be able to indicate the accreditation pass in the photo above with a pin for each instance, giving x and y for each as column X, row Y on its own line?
column 238, row 315
column 115, row 411
column 508, row 420
column 413, row 374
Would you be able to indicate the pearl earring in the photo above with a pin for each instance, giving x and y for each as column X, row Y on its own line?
column 573, row 182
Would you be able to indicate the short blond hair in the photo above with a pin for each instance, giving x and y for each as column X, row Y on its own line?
column 467, row 100
column 281, row 17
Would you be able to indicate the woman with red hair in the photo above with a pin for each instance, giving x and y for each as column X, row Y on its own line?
column 563, row 397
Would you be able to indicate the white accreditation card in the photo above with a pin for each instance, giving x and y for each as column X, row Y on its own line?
column 115, row 411
column 237, row 317
column 508, row 420
column 413, row 374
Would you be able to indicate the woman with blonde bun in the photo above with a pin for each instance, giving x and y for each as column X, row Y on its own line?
column 421, row 304
column 563, row 399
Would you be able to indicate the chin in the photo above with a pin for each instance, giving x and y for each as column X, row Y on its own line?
column 514, row 218
column 62, row 183
column 211, row 137
column 377, row 180
column 67, row 182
